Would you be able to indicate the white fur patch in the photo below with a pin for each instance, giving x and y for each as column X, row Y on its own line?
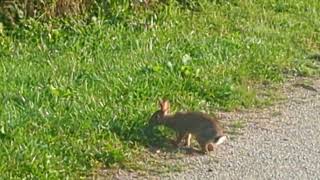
column 221, row 140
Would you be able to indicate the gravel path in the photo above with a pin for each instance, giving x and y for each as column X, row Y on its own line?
column 279, row 142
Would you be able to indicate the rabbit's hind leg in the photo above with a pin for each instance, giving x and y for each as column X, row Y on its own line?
column 205, row 145
column 206, row 148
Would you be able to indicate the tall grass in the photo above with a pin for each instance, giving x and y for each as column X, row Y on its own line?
column 13, row 11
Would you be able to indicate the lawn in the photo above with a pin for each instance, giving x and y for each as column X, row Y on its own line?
column 75, row 96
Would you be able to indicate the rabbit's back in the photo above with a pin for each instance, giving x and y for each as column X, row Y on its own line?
column 197, row 123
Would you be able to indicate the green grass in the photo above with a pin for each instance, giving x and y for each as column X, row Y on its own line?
column 76, row 97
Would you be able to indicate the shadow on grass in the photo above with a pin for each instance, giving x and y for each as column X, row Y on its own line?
column 160, row 142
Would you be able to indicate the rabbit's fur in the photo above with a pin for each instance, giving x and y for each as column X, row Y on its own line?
column 205, row 128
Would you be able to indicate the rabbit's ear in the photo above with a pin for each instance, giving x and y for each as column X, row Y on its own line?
column 160, row 104
column 165, row 106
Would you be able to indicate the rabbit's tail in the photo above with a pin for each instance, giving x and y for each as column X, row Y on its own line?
column 220, row 140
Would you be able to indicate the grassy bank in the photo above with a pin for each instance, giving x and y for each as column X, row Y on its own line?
column 76, row 96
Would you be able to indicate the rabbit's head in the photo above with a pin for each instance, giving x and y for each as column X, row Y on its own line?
column 158, row 117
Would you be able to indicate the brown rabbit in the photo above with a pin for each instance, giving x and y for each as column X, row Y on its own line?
column 205, row 128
